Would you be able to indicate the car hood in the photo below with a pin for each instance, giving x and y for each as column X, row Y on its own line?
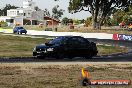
column 44, row 46
column 41, row 46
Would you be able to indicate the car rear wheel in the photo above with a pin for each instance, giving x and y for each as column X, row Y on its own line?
column 60, row 56
column 88, row 57
column 70, row 57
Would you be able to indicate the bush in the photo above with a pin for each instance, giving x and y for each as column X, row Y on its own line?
column 3, row 24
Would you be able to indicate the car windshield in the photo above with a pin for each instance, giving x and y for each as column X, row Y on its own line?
column 56, row 40
column 20, row 28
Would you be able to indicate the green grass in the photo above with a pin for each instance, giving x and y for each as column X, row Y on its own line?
column 6, row 29
column 107, row 50
column 18, row 46
column 15, row 46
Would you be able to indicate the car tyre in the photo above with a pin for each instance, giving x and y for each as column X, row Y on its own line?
column 18, row 32
column 40, row 57
column 88, row 57
column 70, row 57
column 60, row 56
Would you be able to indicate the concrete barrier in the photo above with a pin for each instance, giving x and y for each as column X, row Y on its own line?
column 85, row 35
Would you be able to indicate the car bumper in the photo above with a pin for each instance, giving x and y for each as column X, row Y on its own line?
column 23, row 32
column 42, row 53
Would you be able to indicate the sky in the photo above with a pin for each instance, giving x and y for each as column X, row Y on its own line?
column 49, row 4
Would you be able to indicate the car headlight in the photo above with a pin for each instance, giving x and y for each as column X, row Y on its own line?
column 50, row 49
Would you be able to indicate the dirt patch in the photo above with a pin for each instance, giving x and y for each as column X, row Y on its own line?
column 42, row 75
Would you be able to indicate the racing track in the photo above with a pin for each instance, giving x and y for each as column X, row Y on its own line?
column 121, row 57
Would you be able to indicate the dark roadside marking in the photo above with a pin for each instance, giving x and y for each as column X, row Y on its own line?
column 125, row 58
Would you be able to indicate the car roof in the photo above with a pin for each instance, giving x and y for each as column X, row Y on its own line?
column 70, row 36
column 19, row 26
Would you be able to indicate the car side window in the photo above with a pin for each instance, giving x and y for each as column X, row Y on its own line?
column 74, row 41
column 78, row 42
column 83, row 41
column 58, row 40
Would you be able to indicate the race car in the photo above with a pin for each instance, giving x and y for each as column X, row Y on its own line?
column 66, row 46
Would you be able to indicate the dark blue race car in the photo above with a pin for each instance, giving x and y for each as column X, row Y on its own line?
column 19, row 30
column 66, row 46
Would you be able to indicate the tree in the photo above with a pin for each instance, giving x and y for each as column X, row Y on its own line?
column 82, row 21
column 3, row 12
column 88, row 21
column 37, row 8
column 65, row 21
column 118, row 16
column 122, row 15
column 57, row 13
column 98, row 8
column 76, row 21
column 107, row 21
column 129, row 14
column 46, row 12
column 129, row 10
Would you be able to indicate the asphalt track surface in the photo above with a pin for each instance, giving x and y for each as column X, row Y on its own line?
column 120, row 57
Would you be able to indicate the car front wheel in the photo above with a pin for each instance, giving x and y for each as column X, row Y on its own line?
column 40, row 57
column 18, row 32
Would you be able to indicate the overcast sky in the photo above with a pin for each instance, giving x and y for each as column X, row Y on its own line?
column 49, row 4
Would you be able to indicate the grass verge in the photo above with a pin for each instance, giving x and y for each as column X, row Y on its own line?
column 15, row 46
column 107, row 50
column 6, row 29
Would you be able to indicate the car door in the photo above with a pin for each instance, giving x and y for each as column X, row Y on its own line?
column 83, row 48
column 15, row 30
column 73, row 46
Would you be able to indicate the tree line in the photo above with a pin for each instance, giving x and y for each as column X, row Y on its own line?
column 116, row 17
column 99, row 9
